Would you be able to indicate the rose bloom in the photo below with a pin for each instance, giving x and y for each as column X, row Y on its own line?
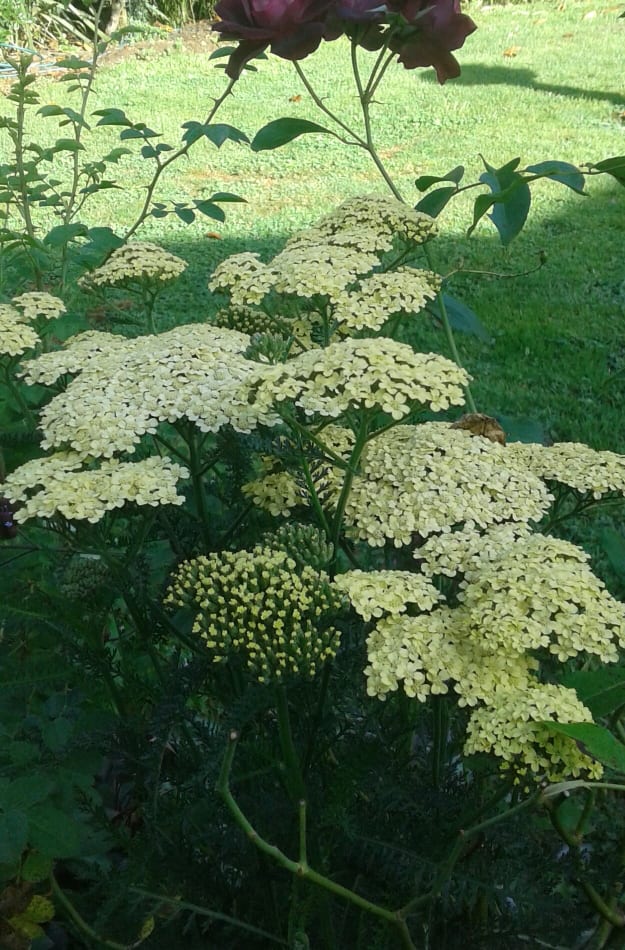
column 423, row 35
column 434, row 28
column 293, row 28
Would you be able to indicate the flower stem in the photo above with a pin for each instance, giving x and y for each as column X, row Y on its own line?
column 352, row 467
column 301, row 870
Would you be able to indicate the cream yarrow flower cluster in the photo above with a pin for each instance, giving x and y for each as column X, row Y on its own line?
column 467, row 549
column 260, row 606
column 383, row 295
column 35, row 305
column 382, row 214
column 375, row 593
column 125, row 388
column 365, row 374
column 575, row 465
column 541, row 593
column 320, row 270
column 64, row 487
column 430, row 653
column 245, row 278
column 419, row 480
column 16, row 337
column 516, row 730
column 138, row 261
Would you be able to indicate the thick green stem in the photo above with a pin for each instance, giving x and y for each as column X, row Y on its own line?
column 294, row 781
column 449, row 333
column 321, row 700
column 439, row 741
column 82, row 924
column 606, row 909
column 302, row 871
column 446, row 869
column 352, row 467
column 198, row 487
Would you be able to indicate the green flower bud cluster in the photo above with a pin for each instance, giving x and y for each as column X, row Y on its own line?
column 304, row 543
column 83, row 578
column 258, row 605
column 251, row 321
column 267, row 348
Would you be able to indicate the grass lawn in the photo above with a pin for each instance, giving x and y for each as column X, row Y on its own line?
column 538, row 81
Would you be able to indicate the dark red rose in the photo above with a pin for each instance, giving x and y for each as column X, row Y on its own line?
column 434, row 28
column 293, row 28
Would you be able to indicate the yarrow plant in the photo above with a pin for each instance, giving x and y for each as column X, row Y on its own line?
column 423, row 531
column 278, row 532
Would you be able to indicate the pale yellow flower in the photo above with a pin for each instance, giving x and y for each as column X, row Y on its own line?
column 64, row 487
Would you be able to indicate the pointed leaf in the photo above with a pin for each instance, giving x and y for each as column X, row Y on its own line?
column 226, row 196
column 614, row 167
column 185, row 214
column 602, row 691
column 563, row 172
column 53, row 832
column 426, row 181
column 595, row 741
column 210, row 210
column 460, row 316
column 281, row 131
column 436, row 200
column 112, row 117
column 511, row 204
column 64, row 233
column 218, row 133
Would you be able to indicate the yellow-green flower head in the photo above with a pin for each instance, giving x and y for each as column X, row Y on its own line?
column 38, row 304
column 574, row 464
column 382, row 214
column 125, row 388
column 62, row 486
column 513, row 729
column 319, row 269
column 138, row 261
column 277, row 492
column 245, row 278
column 375, row 593
column 367, row 240
column 430, row 478
column 467, row 549
column 365, row 374
column 16, row 337
column 383, row 295
column 432, row 653
column 260, row 606
column 542, row 594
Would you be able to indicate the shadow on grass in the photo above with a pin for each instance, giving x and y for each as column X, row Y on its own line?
column 478, row 74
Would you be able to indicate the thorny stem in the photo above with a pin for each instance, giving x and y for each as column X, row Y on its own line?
column 357, row 140
column 174, row 156
column 365, row 94
column 302, row 870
